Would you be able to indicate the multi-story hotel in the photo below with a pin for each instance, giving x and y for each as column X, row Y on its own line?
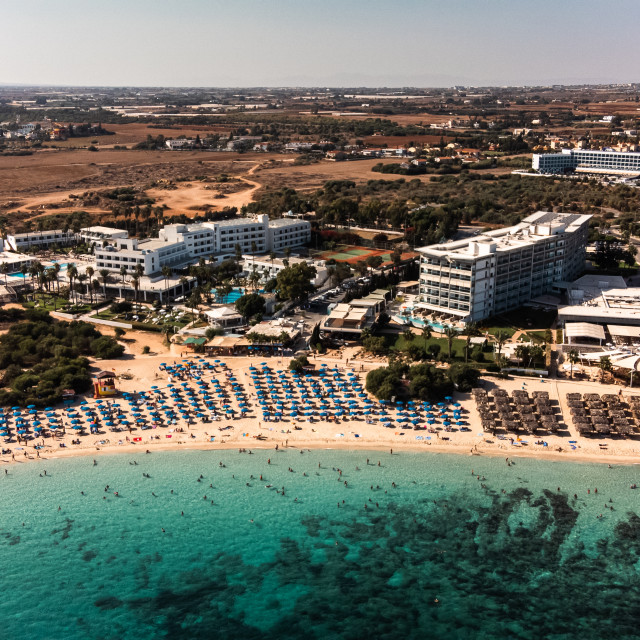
column 569, row 160
column 478, row 277
column 180, row 244
column 40, row 240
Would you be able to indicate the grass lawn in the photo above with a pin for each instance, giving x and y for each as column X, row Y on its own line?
column 537, row 336
column 522, row 318
column 399, row 343
column 61, row 304
column 495, row 330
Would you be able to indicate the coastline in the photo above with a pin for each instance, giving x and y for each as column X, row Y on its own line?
column 456, row 449
column 352, row 434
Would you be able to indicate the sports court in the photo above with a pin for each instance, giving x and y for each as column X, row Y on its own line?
column 353, row 254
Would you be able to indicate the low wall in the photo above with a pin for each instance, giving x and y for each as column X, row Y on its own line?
column 526, row 372
column 109, row 323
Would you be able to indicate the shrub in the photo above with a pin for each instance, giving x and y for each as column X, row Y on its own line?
column 142, row 326
column 121, row 307
column 105, row 348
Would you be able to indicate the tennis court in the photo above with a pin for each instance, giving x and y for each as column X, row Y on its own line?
column 353, row 254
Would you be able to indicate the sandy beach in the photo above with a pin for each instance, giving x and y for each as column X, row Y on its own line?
column 143, row 372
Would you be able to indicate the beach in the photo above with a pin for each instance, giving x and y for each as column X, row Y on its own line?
column 349, row 433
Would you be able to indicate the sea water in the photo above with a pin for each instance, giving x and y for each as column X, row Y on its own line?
column 402, row 546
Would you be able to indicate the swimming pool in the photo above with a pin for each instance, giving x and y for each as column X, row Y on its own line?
column 235, row 294
column 17, row 274
column 420, row 323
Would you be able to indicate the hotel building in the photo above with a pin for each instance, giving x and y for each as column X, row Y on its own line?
column 584, row 161
column 178, row 245
column 475, row 278
column 40, row 240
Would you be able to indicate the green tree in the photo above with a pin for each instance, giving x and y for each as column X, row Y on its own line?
column 501, row 338
column 295, row 282
column 463, row 377
column 250, row 305
column 450, row 333
column 605, row 366
column 574, row 358
column 104, row 274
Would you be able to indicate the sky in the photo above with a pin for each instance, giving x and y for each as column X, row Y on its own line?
column 317, row 43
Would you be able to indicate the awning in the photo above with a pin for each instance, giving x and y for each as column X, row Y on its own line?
column 584, row 330
column 623, row 331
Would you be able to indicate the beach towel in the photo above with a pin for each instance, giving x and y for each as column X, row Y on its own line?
column 137, row 439
column 167, row 435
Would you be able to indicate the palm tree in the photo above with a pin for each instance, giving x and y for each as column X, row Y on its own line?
column 166, row 272
column 574, row 358
column 450, row 333
column 72, row 274
column 104, row 274
column 81, row 278
column 5, row 269
column 501, row 338
column 522, row 353
column 426, row 333
column 605, row 366
column 254, row 278
column 183, row 282
column 57, row 268
column 89, row 271
column 123, row 272
column 194, row 301
column 471, row 330
column 135, row 283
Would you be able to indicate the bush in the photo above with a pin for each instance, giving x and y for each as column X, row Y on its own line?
column 121, row 307
column 463, row 376
column 42, row 357
column 298, row 364
column 105, row 348
column 142, row 326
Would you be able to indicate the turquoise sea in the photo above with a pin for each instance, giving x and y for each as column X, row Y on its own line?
column 442, row 554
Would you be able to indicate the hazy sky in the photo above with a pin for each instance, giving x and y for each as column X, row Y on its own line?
column 319, row 42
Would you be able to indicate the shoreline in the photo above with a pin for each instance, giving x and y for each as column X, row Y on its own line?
column 456, row 449
column 354, row 434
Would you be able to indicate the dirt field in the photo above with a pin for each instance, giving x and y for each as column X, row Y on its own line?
column 131, row 133
column 43, row 182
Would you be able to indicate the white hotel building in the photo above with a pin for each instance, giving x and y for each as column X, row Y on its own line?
column 473, row 279
column 36, row 240
column 180, row 244
column 585, row 161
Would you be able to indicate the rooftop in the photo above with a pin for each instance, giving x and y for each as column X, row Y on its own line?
column 282, row 222
column 237, row 222
column 107, row 231
column 534, row 228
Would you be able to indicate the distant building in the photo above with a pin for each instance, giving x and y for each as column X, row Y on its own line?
column 581, row 160
column 40, row 240
column 178, row 145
